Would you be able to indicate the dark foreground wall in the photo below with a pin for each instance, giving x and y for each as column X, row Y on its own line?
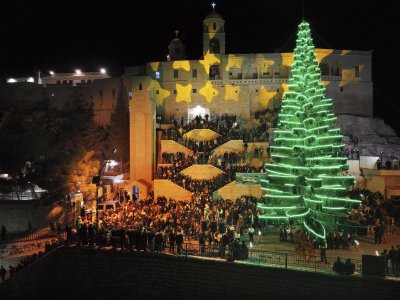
column 76, row 273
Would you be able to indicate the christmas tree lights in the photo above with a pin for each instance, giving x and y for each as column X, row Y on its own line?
column 305, row 182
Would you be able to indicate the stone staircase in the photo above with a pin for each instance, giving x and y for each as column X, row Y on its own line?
column 171, row 146
column 232, row 190
column 201, row 135
column 202, row 172
column 235, row 190
column 169, row 189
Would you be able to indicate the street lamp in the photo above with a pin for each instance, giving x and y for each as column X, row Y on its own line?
column 103, row 71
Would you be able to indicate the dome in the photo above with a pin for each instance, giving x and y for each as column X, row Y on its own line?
column 176, row 43
column 213, row 15
column 176, row 49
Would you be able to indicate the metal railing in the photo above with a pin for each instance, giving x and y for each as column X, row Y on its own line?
column 283, row 260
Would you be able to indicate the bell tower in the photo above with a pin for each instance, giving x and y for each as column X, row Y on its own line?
column 213, row 33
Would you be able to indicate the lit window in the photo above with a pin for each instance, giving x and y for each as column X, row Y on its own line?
column 157, row 74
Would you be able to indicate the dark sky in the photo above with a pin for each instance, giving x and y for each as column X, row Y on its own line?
column 64, row 35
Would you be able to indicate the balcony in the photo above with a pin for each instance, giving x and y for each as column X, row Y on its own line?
column 257, row 81
column 331, row 78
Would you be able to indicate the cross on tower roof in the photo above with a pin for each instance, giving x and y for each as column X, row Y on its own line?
column 213, row 5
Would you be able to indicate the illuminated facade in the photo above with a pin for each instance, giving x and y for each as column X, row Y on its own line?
column 242, row 84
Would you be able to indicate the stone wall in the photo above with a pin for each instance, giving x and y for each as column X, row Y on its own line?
column 373, row 135
column 79, row 273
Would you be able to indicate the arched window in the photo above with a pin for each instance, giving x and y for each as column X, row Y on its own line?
column 336, row 69
column 324, row 68
column 214, row 46
column 214, row 72
column 140, row 86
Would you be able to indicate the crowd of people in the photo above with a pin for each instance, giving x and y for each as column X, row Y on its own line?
column 343, row 268
column 390, row 164
column 162, row 224
column 380, row 216
column 227, row 127
column 352, row 154
column 176, row 162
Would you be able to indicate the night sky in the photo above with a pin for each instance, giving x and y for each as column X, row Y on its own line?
column 65, row 35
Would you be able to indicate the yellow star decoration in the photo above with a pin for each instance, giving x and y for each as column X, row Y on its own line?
column 232, row 92
column 208, row 92
column 181, row 64
column 154, row 65
column 183, row 93
column 264, row 96
column 211, row 35
column 320, row 55
column 234, row 62
column 209, row 59
column 285, row 87
column 162, row 93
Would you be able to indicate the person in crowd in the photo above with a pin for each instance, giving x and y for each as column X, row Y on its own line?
column 386, row 257
column 179, row 241
column 349, row 267
column 3, row 273
column 244, row 251
column 171, row 241
column 322, row 248
column 392, row 258
column 338, row 266
column 378, row 233
column 251, row 233
column 3, row 232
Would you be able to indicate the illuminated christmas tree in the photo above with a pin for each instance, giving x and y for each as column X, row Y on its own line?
column 305, row 182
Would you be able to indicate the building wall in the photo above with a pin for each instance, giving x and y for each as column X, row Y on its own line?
column 142, row 132
column 251, row 82
column 102, row 94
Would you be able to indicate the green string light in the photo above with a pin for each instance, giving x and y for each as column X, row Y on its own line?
column 304, row 181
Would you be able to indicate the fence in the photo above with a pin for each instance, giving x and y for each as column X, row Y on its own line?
column 269, row 258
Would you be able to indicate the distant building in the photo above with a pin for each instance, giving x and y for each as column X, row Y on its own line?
column 73, row 78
